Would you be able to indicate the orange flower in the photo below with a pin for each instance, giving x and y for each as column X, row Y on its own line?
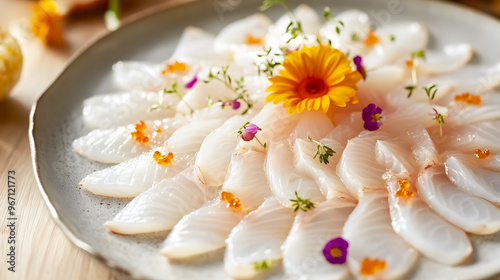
column 46, row 23
column 371, row 39
column 176, row 67
column 315, row 78
column 251, row 40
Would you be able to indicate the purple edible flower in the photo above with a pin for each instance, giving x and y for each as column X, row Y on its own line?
column 249, row 132
column 235, row 104
column 335, row 250
column 373, row 116
column 191, row 83
column 358, row 61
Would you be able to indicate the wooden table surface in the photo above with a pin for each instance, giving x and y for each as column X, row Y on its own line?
column 42, row 250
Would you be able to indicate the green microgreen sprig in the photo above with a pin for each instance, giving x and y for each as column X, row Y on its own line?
column 355, row 37
column 410, row 90
column 173, row 90
column 295, row 26
column 414, row 55
column 266, row 4
column 430, row 91
column 112, row 15
column 235, row 85
column 210, row 102
column 418, row 54
column 302, row 204
column 262, row 265
column 323, row 152
column 339, row 25
column 267, row 67
column 439, row 118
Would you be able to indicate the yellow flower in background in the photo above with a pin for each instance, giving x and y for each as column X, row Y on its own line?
column 11, row 62
column 315, row 78
column 46, row 23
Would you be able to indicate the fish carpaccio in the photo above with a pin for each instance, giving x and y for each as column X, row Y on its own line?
column 418, row 195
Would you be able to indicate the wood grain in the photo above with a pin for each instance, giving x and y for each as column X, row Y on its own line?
column 42, row 249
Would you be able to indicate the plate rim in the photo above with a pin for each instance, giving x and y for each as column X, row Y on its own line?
column 104, row 35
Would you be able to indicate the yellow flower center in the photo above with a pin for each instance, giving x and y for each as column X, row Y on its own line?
column 376, row 117
column 316, row 78
column 336, row 252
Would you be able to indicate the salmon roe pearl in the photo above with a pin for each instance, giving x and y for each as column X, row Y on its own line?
column 482, row 154
column 234, row 203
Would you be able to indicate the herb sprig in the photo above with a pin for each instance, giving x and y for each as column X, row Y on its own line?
column 235, row 85
column 302, row 204
column 295, row 26
column 262, row 265
column 173, row 90
column 419, row 54
column 323, row 151
column 112, row 15
column 339, row 25
column 267, row 67
column 430, row 91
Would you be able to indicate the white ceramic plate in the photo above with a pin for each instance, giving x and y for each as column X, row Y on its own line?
column 56, row 120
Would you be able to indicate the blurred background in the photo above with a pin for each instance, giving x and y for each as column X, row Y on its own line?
column 488, row 6
column 51, row 31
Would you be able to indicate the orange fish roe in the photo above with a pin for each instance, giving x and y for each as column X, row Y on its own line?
column 158, row 130
column 138, row 134
column 176, row 67
column 409, row 63
column 371, row 39
column 370, row 267
column 163, row 159
column 469, row 98
column 46, row 23
column 251, row 40
column 403, row 191
column 229, row 198
column 482, row 154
